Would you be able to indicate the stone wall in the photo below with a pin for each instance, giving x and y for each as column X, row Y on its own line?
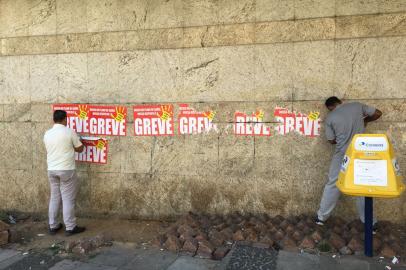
column 228, row 55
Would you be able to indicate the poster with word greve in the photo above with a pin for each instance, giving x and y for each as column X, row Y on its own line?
column 95, row 119
column 153, row 120
column 195, row 122
column 95, row 151
column 307, row 125
column 251, row 125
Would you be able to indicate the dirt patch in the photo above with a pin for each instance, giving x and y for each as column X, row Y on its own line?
column 33, row 235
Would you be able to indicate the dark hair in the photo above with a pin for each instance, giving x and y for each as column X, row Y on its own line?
column 59, row 116
column 331, row 101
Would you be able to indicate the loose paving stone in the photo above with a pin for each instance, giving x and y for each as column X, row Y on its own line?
column 9, row 257
column 115, row 256
column 67, row 265
column 251, row 258
column 35, row 261
column 7, row 254
column 150, row 259
column 287, row 233
column 89, row 266
column 345, row 251
column 189, row 263
column 293, row 261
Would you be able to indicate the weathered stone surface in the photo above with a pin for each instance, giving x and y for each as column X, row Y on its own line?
column 363, row 26
column 314, row 70
column 289, row 244
column 345, row 251
column 129, row 52
column 336, row 241
column 279, row 235
column 238, row 236
column 317, row 236
column 87, row 245
column 216, row 238
column 314, row 8
column 15, row 89
column 356, row 244
column 172, row 243
column 387, row 251
column 376, row 243
column 274, row 10
column 251, row 235
column 73, row 78
column 4, row 235
column 220, row 253
column 159, row 241
column 190, row 246
column 308, row 243
column 205, row 249
column 297, row 235
column 71, row 16
column 266, row 240
column 4, row 226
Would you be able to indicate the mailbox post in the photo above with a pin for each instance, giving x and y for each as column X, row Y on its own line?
column 370, row 169
column 368, row 230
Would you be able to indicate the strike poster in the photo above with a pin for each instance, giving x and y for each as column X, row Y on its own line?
column 251, row 125
column 94, row 119
column 308, row 125
column 194, row 122
column 95, row 151
column 153, row 120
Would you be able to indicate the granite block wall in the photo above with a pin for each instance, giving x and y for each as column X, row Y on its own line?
column 225, row 55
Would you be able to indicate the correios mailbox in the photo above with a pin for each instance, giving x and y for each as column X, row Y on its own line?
column 370, row 169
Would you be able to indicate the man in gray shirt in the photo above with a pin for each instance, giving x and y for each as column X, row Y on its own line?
column 342, row 123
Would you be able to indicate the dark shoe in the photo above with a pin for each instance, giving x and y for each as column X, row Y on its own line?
column 75, row 230
column 53, row 231
column 319, row 222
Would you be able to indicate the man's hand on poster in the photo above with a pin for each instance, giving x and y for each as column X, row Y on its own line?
column 119, row 115
column 83, row 112
column 210, row 115
column 166, row 112
column 100, row 144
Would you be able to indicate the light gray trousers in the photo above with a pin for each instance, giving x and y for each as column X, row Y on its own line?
column 64, row 185
column 331, row 193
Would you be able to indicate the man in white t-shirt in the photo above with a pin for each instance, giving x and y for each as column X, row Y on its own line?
column 61, row 144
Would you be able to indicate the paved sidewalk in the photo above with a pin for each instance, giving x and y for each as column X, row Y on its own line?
column 120, row 257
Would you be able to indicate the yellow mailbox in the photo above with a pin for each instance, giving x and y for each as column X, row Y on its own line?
column 370, row 168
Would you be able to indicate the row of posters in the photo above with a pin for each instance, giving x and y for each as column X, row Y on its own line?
column 158, row 120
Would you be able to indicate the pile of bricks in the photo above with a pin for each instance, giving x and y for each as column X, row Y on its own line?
column 213, row 236
column 4, row 233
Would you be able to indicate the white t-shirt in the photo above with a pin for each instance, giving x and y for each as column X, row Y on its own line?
column 60, row 142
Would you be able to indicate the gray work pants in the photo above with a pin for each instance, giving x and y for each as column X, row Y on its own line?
column 64, row 185
column 331, row 194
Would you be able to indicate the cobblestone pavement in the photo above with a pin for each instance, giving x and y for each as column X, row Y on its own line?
column 240, row 257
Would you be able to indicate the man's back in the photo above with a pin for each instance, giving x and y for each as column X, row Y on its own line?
column 346, row 121
column 59, row 142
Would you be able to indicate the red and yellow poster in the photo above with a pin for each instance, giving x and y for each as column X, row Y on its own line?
column 194, row 122
column 95, row 151
column 308, row 125
column 153, row 120
column 95, row 119
column 251, row 125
